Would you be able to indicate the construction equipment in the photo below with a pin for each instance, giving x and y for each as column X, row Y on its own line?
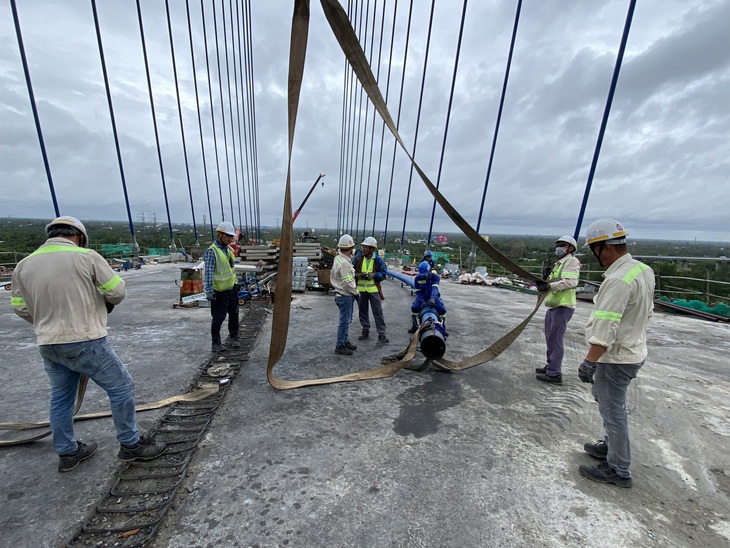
column 296, row 213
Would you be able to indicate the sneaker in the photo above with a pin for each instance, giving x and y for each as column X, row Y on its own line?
column 343, row 351
column 598, row 450
column 363, row 336
column 218, row 347
column 604, row 473
column 83, row 452
column 145, row 449
column 232, row 343
column 540, row 370
column 558, row 379
column 383, row 339
column 350, row 346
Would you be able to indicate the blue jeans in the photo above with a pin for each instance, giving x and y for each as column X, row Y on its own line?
column 343, row 329
column 611, row 381
column 65, row 363
column 556, row 322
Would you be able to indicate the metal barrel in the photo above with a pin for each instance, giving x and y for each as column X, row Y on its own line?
column 191, row 281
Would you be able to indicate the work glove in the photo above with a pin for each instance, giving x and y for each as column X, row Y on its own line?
column 431, row 302
column 586, row 371
column 546, row 272
column 542, row 286
column 109, row 307
column 358, row 276
column 368, row 276
column 210, row 295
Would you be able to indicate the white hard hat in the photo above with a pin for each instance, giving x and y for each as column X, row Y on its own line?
column 568, row 240
column 606, row 230
column 346, row 242
column 226, row 228
column 370, row 241
column 69, row 222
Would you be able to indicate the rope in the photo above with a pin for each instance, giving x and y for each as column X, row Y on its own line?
column 382, row 131
column 212, row 117
column 223, row 114
column 154, row 122
column 197, row 105
column 135, row 247
column 244, row 171
column 230, row 113
column 33, row 106
column 606, row 112
column 448, row 118
column 251, row 125
column 179, row 112
column 372, row 130
column 418, row 120
column 254, row 143
column 397, row 123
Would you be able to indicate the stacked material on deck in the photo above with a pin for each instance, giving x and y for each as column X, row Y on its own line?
column 267, row 254
column 299, row 274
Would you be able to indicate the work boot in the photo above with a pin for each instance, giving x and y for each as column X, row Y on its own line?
column 383, row 339
column 541, row 370
column 83, row 452
column 557, row 379
column 343, row 351
column 364, row 335
column 414, row 327
column 145, row 449
column 217, row 348
column 232, row 342
column 350, row 346
column 597, row 450
column 604, row 473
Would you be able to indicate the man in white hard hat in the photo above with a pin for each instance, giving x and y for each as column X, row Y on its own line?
column 616, row 338
column 66, row 291
column 342, row 279
column 369, row 273
column 221, row 288
column 560, row 302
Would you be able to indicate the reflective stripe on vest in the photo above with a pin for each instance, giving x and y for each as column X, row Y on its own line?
column 566, row 297
column 367, row 286
column 104, row 288
column 224, row 275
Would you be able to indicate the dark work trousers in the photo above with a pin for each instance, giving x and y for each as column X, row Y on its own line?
column 375, row 302
column 556, row 322
column 225, row 302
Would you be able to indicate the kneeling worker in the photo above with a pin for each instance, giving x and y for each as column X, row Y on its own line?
column 427, row 294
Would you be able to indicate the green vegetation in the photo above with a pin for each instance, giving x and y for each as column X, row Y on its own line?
column 684, row 280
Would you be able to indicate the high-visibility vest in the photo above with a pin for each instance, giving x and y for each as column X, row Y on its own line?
column 224, row 275
column 367, row 286
column 566, row 297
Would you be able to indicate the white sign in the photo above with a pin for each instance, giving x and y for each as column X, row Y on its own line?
column 191, row 298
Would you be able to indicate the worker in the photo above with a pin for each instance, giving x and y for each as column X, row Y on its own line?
column 560, row 303
column 616, row 339
column 221, row 287
column 428, row 257
column 66, row 290
column 427, row 294
column 342, row 279
column 369, row 273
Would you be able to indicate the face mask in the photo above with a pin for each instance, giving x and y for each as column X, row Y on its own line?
column 560, row 252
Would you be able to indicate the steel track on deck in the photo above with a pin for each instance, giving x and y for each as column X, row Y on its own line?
column 130, row 513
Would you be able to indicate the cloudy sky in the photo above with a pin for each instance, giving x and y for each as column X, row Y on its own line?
column 663, row 169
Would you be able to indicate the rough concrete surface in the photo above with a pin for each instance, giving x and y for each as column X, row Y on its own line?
column 484, row 457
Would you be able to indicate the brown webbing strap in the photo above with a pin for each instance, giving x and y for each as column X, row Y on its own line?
column 194, row 395
column 347, row 38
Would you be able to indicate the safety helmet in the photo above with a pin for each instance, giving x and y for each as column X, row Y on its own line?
column 226, row 228
column 428, row 253
column 346, row 242
column 606, row 230
column 69, row 222
column 568, row 240
column 423, row 268
column 370, row 241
